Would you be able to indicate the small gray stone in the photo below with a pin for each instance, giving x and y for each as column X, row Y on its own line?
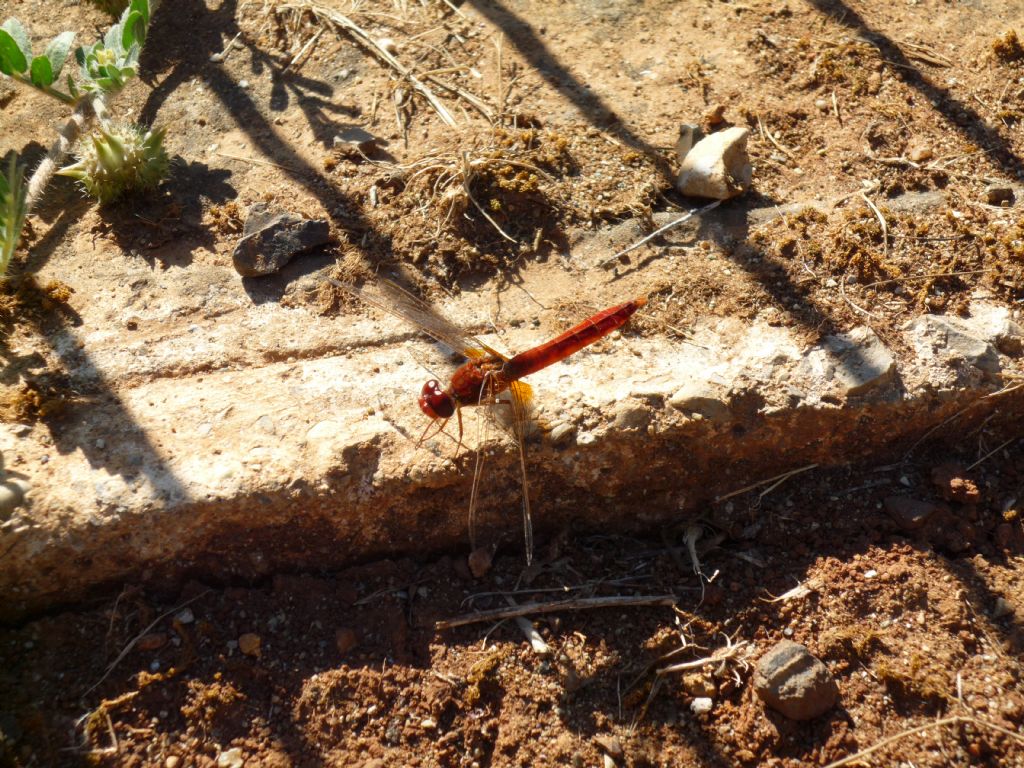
column 185, row 616
column 863, row 360
column 356, row 138
column 272, row 239
column 701, row 399
column 997, row 194
column 908, row 512
column 689, row 134
column 632, row 418
column 794, row 682
column 717, row 166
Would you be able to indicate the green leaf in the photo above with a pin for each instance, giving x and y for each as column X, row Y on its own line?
column 17, row 30
column 11, row 58
column 57, row 51
column 142, row 6
column 113, row 37
column 42, row 72
column 134, row 29
column 80, row 56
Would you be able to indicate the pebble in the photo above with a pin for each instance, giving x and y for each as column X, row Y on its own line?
column 696, row 684
column 794, row 682
column 562, row 432
column 185, row 616
column 610, row 745
column 997, row 194
column 152, row 641
column 249, row 644
column 919, row 153
column 479, row 561
column 701, row 705
column 345, row 639
column 909, row 513
column 172, row 761
column 230, row 758
column 271, row 239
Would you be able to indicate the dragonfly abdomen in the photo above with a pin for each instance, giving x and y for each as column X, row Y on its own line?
column 576, row 338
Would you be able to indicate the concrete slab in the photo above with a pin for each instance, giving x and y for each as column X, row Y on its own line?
column 221, row 437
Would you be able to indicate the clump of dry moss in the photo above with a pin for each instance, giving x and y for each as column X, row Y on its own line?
column 1008, row 47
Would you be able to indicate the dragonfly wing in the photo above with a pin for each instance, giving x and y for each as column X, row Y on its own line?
column 397, row 301
column 522, row 397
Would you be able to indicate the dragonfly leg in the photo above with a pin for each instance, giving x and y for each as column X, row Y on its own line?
column 458, row 445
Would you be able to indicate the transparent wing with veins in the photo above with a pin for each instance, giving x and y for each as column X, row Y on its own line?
column 395, row 300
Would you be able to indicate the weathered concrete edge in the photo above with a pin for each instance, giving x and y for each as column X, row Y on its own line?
column 641, row 450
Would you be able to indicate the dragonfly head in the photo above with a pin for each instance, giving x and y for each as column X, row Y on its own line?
column 435, row 402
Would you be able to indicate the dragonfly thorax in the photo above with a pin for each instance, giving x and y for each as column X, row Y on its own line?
column 435, row 402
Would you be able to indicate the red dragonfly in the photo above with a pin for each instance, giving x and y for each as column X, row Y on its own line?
column 487, row 373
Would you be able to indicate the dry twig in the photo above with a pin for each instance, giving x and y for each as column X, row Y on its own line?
column 952, row 720
column 555, row 606
column 775, row 483
column 682, row 219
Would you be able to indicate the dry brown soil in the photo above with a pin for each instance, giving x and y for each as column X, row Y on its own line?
column 567, row 121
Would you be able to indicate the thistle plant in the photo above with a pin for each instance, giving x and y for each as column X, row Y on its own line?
column 117, row 158
column 103, row 69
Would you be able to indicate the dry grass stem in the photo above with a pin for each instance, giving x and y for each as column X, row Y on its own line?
column 778, row 145
column 952, row 720
column 881, row 223
column 681, row 220
column 363, row 38
column 131, row 643
column 555, row 606
column 775, row 483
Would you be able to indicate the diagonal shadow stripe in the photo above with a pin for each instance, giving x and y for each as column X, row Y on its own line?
column 960, row 115
column 595, row 109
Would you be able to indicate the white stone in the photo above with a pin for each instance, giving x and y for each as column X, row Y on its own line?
column 717, row 166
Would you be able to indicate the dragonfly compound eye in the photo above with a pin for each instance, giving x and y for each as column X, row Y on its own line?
column 435, row 402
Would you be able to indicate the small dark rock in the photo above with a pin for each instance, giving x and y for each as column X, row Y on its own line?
column 345, row 639
column 997, row 194
column 908, row 512
column 271, row 239
column 794, row 682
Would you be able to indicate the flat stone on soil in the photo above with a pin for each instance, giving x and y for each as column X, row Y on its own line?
column 271, row 239
column 794, row 682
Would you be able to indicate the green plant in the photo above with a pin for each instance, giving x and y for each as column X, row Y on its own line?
column 117, row 158
column 120, row 156
column 105, row 66
column 12, row 210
